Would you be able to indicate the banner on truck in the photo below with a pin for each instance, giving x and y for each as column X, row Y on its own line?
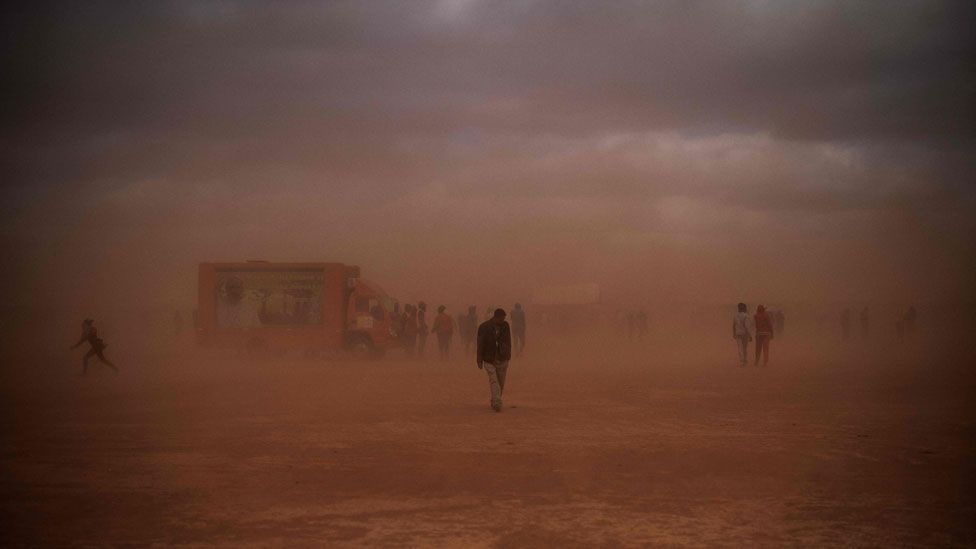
column 252, row 298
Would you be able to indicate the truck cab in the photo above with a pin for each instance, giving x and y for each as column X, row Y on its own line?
column 372, row 319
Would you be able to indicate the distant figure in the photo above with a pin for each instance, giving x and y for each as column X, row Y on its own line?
column 641, row 321
column 631, row 325
column 90, row 334
column 459, row 325
column 741, row 332
column 396, row 320
column 900, row 331
column 779, row 319
column 764, row 334
column 865, row 323
column 469, row 328
column 422, row 328
column 444, row 328
column 910, row 318
column 845, row 324
column 518, row 328
column 494, row 352
column 409, row 330
column 177, row 323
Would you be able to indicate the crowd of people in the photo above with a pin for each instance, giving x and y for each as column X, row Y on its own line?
column 412, row 326
column 495, row 339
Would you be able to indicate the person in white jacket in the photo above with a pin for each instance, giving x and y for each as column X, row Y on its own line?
column 742, row 333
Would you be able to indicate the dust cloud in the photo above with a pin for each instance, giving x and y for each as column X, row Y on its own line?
column 677, row 157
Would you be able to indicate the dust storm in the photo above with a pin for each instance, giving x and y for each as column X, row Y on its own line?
column 263, row 228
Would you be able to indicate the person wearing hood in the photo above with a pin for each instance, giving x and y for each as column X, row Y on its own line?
column 97, row 347
column 764, row 333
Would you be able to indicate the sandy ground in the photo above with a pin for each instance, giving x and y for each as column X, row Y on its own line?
column 635, row 447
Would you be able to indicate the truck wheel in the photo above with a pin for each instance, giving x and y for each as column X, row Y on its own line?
column 361, row 348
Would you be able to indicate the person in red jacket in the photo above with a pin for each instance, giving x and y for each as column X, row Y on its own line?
column 764, row 333
column 444, row 328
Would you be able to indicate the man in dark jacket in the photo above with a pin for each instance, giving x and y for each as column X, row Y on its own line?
column 494, row 352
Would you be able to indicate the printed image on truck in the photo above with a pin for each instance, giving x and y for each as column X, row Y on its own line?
column 252, row 298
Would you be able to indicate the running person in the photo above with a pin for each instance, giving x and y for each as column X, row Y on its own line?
column 90, row 334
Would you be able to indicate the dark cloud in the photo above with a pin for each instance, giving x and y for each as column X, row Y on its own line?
column 632, row 126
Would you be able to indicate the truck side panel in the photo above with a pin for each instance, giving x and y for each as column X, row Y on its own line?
column 290, row 322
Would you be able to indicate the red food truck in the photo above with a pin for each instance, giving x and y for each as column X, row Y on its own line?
column 311, row 308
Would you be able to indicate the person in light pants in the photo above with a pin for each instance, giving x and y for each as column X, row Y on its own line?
column 741, row 333
column 494, row 352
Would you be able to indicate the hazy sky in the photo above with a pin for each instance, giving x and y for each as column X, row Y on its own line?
column 675, row 150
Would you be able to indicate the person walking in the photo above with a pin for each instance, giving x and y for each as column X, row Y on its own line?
column 97, row 347
column 518, row 328
column 422, row 328
column 469, row 328
column 741, row 333
column 409, row 330
column 494, row 352
column 764, row 334
column 443, row 327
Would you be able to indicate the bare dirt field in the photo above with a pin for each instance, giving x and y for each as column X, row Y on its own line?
column 638, row 446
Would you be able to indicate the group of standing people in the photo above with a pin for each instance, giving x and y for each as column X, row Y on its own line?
column 904, row 325
column 414, row 329
column 762, row 324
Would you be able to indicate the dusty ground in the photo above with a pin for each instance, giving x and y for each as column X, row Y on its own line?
column 640, row 447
